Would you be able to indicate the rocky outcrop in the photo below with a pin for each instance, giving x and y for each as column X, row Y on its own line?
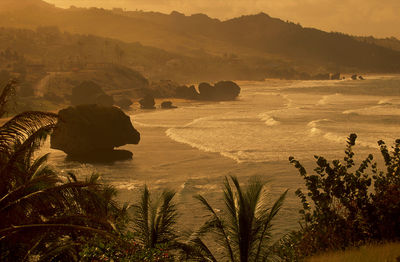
column 89, row 133
column 354, row 77
column 168, row 89
column 223, row 90
column 89, row 92
column 321, row 76
column 123, row 103
column 147, row 102
column 186, row 92
column 335, row 76
column 167, row 105
column 361, row 78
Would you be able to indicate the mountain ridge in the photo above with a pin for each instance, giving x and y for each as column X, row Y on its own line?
column 246, row 37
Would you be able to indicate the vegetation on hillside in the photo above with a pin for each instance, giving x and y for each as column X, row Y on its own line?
column 198, row 46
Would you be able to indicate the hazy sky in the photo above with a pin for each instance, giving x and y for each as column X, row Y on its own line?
column 360, row 17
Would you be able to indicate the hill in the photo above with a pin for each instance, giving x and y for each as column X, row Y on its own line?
column 48, row 49
column 256, row 42
column 390, row 42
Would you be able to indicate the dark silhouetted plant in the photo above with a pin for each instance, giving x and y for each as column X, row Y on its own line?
column 154, row 220
column 346, row 210
column 41, row 213
column 244, row 231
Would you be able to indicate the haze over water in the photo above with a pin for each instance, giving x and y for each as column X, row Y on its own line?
column 191, row 149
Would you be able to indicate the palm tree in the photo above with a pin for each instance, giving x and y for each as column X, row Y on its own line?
column 154, row 221
column 7, row 92
column 244, row 231
column 41, row 212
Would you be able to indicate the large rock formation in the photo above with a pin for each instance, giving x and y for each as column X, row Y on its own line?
column 168, row 89
column 89, row 133
column 124, row 102
column 223, row 90
column 167, row 105
column 88, row 92
column 186, row 92
column 147, row 102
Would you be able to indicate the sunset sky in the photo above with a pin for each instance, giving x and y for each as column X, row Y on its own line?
column 380, row 18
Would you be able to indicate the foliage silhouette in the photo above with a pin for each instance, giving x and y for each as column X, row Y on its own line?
column 350, row 205
column 42, row 213
column 244, row 232
column 154, row 221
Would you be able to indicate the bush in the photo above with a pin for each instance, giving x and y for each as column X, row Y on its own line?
column 123, row 249
column 350, row 205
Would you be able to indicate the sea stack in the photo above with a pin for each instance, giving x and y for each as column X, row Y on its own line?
column 90, row 133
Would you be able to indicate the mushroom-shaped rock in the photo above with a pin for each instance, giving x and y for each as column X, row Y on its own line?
column 88, row 92
column 147, row 102
column 89, row 133
column 167, row 105
column 227, row 90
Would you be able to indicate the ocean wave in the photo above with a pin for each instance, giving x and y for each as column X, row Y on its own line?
column 380, row 110
column 315, row 123
column 313, row 83
column 171, row 133
column 176, row 137
column 268, row 120
column 289, row 102
column 239, row 156
column 137, row 123
column 325, row 100
column 127, row 185
column 340, row 138
column 385, row 102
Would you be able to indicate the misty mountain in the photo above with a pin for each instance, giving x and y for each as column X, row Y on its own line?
column 252, row 39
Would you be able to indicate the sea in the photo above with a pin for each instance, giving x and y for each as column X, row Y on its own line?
column 192, row 149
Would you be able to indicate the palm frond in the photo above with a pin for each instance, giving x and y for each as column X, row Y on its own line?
column 141, row 217
column 219, row 225
column 166, row 218
column 247, row 228
column 24, row 132
column 266, row 224
column 154, row 221
column 200, row 250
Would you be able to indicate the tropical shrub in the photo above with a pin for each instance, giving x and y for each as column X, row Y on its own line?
column 349, row 205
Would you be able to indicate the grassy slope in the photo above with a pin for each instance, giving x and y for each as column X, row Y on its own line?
column 374, row 253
